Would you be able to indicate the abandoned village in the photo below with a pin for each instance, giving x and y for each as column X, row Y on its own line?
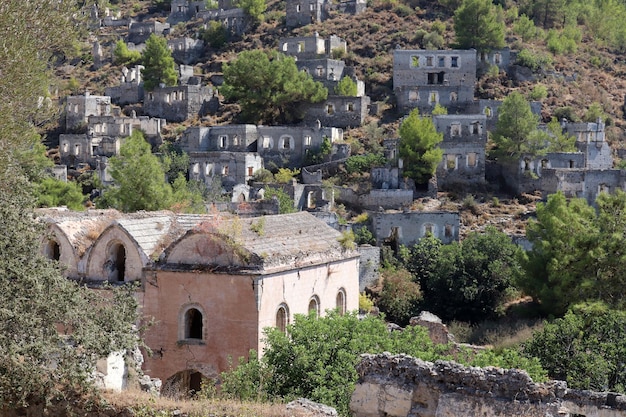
column 212, row 282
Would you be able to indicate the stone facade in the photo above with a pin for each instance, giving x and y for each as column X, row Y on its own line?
column 186, row 50
column 369, row 272
column 139, row 32
column 304, row 12
column 339, row 111
column 463, row 146
column 130, row 89
column 79, row 108
column 184, row 10
column 235, row 20
column 312, row 47
column 325, row 70
column 424, row 78
column 232, row 167
column 211, row 283
column 406, row 228
column 178, row 103
column 402, row 386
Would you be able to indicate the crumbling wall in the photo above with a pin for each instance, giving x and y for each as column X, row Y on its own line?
column 394, row 386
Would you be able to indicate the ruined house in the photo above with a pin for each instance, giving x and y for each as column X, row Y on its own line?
column 463, row 146
column 338, row 111
column 130, row 89
column 79, row 108
column 425, row 78
column 304, row 12
column 313, row 47
column 184, row 10
column 210, row 282
column 407, row 228
column 139, row 32
column 180, row 102
column 235, row 20
column 187, row 51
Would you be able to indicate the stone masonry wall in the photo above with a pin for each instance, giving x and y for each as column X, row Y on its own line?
column 395, row 386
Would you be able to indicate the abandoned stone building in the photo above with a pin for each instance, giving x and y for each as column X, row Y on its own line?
column 187, row 51
column 463, row 146
column 313, row 47
column 139, row 32
column 584, row 173
column 79, row 108
column 181, row 102
column 501, row 58
column 130, row 89
column 235, row 20
column 338, row 111
column 184, row 10
column 424, row 78
column 304, row 12
column 210, row 282
column 406, row 228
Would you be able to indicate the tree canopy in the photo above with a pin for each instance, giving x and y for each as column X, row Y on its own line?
column 418, row 147
column 576, row 253
column 516, row 123
column 159, row 66
column 269, row 88
column 476, row 26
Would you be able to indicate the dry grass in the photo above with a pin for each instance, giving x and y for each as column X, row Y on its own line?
column 144, row 404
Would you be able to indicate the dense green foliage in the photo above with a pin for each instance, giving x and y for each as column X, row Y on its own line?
column 358, row 164
column 514, row 128
column 269, row 88
column 215, row 34
column 316, row 358
column 346, row 87
column 586, row 348
column 158, row 64
column 285, row 203
column 400, row 295
column 577, row 252
column 418, row 147
column 51, row 192
column 123, row 56
column 466, row 281
column 476, row 26
column 139, row 179
column 253, row 8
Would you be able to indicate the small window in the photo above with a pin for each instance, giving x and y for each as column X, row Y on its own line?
column 429, row 61
column 571, row 163
column 285, row 44
column 432, row 77
column 307, row 140
column 454, row 62
column 433, row 98
column 544, row 163
column 53, row 250
column 223, row 141
column 330, row 109
column 195, row 168
column 267, row 143
column 488, row 112
column 454, row 96
column 250, row 171
column 298, row 9
column 115, row 265
column 476, row 128
column 235, row 140
column 472, row 159
column 282, row 318
column 451, row 161
column 312, row 7
column 414, row 95
column 208, row 170
column 350, row 107
column 314, row 306
column 300, row 46
column 225, row 170
column 441, row 62
column 449, row 230
column 193, row 324
column 286, row 142
column 455, row 129
column 341, row 302
column 415, row 61
column 319, row 71
column 77, row 149
column 66, row 147
column 94, row 150
column 497, row 58
column 429, row 229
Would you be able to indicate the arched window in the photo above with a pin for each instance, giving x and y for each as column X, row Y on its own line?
column 193, row 324
column 282, row 318
column 53, row 250
column 117, row 262
column 341, row 301
column 314, row 306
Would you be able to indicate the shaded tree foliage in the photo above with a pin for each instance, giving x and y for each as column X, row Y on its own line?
column 159, row 66
column 514, row 129
column 346, row 87
column 269, row 88
column 51, row 192
column 577, row 252
column 586, row 348
column 476, row 26
column 418, row 147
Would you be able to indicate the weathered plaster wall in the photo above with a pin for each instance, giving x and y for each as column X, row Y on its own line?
column 409, row 227
column 100, row 260
column 395, row 386
column 229, row 321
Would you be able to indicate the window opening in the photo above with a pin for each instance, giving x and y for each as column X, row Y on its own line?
column 281, row 319
column 193, row 324
column 341, row 302
column 454, row 62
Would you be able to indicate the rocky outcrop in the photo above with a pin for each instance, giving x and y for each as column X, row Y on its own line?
column 394, row 386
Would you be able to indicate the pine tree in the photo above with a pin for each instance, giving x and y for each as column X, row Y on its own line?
column 158, row 64
column 418, row 147
column 476, row 26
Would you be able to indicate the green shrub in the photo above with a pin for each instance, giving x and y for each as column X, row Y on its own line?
column 539, row 92
column 215, row 34
column 533, row 60
column 400, row 296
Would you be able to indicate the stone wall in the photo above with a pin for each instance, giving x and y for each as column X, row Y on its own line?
column 369, row 266
column 376, row 199
column 338, row 111
column 395, row 386
column 407, row 228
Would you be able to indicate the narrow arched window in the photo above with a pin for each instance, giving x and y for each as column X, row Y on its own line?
column 282, row 318
column 341, row 302
column 193, row 324
column 314, row 306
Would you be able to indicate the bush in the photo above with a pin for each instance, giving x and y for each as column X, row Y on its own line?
column 123, row 56
column 215, row 34
column 263, row 175
column 363, row 163
column 400, row 296
column 533, row 60
column 285, row 175
column 539, row 92
column 433, row 40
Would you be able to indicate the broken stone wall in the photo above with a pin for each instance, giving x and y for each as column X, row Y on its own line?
column 338, row 111
column 369, row 266
column 408, row 227
column 402, row 386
